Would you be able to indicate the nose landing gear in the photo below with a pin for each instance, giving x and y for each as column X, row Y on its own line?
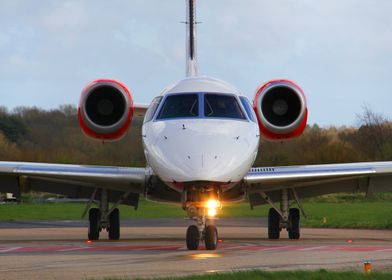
column 203, row 231
column 201, row 205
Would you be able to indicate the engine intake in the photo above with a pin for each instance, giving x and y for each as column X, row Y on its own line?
column 105, row 109
column 281, row 109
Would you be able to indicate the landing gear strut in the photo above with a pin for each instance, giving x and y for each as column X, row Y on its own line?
column 103, row 218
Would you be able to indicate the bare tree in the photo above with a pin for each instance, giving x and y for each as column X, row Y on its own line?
column 374, row 134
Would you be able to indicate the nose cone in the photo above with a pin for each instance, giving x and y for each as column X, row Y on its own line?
column 201, row 150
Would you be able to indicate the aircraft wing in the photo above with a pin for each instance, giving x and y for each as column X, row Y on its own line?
column 314, row 180
column 73, row 180
column 139, row 110
column 81, row 181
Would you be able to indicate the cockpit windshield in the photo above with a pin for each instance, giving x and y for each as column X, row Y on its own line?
column 180, row 106
column 201, row 105
column 222, row 106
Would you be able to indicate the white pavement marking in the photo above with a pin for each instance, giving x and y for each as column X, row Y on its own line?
column 155, row 247
column 9, row 249
column 232, row 248
column 312, row 248
column 276, row 248
column 384, row 250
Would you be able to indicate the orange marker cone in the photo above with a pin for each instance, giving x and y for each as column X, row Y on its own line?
column 367, row 266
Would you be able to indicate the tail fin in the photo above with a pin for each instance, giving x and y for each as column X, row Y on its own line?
column 191, row 60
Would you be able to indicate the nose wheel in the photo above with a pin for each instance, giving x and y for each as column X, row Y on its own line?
column 211, row 237
column 209, row 234
column 192, row 238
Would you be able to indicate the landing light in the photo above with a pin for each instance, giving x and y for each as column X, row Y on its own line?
column 212, row 205
column 211, row 212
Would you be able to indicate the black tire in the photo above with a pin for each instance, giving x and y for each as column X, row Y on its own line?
column 94, row 216
column 211, row 237
column 294, row 223
column 273, row 224
column 114, row 224
column 192, row 238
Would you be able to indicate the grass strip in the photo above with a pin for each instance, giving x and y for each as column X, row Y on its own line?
column 287, row 275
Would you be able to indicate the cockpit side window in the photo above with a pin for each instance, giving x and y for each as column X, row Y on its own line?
column 180, row 106
column 222, row 106
column 248, row 108
column 152, row 109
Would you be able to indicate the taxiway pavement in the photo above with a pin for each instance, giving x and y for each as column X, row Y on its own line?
column 59, row 250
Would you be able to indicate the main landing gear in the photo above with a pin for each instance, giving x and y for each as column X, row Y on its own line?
column 103, row 218
column 285, row 217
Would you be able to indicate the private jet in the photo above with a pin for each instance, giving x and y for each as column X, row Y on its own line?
column 200, row 138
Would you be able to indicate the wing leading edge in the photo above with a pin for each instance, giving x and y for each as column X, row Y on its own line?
column 313, row 180
column 73, row 180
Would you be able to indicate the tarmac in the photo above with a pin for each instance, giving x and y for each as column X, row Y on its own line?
column 156, row 248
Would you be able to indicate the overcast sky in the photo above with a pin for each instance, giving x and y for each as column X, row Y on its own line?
column 339, row 51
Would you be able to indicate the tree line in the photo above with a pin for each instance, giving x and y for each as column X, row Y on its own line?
column 33, row 134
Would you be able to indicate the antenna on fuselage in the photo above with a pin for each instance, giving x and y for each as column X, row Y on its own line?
column 191, row 60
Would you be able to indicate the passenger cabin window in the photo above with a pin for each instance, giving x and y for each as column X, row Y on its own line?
column 152, row 109
column 222, row 106
column 180, row 106
column 248, row 108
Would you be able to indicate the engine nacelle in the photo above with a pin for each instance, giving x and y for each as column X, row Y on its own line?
column 281, row 109
column 105, row 109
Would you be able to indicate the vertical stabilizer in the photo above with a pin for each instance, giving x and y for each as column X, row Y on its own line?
column 191, row 60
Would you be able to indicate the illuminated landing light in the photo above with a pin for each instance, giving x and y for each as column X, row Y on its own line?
column 212, row 205
column 211, row 212
column 89, row 241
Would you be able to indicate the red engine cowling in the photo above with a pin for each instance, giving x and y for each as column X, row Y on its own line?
column 105, row 109
column 281, row 109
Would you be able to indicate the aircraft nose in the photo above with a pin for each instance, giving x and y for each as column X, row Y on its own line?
column 198, row 150
column 202, row 162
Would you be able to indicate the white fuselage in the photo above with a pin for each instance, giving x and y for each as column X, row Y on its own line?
column 201, row 148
